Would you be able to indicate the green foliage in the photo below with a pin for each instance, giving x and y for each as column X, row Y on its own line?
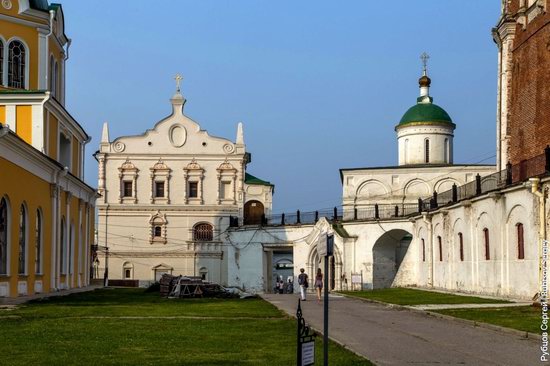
column 154, row 287
column 408, row 296
column 525, row 318
column 133, row 327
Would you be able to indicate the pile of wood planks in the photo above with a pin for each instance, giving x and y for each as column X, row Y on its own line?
column 182, row 287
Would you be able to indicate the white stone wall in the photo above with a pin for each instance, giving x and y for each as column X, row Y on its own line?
column 404, row 184
column 503, row 274
column 411, row 144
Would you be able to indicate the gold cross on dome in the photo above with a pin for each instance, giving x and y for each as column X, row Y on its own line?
column 424, row 57
column 178, row 79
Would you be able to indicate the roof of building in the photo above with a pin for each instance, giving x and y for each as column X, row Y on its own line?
column 339, row 228
column 425, row 111
column 39, row 5
column 250, row 179
column 416, row 166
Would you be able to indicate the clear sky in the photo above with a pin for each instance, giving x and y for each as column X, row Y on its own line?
column 319, row 85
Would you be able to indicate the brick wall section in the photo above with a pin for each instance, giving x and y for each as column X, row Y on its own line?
column 529, row 102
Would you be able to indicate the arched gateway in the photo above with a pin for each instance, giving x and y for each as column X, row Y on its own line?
column 387, row 255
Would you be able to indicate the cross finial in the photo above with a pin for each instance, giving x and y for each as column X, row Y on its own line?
column 178, row 79
column 424, row 57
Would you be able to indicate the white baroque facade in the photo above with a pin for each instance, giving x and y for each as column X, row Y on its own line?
column 169, row 195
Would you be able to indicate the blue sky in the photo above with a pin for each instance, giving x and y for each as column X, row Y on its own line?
column 319, row 85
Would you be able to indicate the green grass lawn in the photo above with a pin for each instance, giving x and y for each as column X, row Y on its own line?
column 94, row 329
column 408, row 296
column 525, row 318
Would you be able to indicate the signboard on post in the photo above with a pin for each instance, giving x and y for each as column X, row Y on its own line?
column 325, row 246
column 308, row 353
column 356, row 278
column 305, row 341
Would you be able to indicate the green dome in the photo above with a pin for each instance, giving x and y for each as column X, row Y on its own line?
column 425, row 112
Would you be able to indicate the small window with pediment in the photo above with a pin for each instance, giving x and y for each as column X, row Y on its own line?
column 158, row 228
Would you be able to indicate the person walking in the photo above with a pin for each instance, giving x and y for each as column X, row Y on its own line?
column 319, row 283
column 302, row 281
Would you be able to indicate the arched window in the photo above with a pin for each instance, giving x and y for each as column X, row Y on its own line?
column 204, row 273
column 521, row 246
column 1, row 62
column 158, row 231
column 16, row 65
column 38, row 242
column 461, row 246
column 203, row 232
column 22, row 265
column 71, row 249
column 446, row 152
column 427, row 151
column 62, row 245
column 440, row 244
column 128, row 270
column 406, row 152
column 423, row 251
column 487, row 247
column 4, row 227
column 52, row 76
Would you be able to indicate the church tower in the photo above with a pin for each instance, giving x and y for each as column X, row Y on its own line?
column 425, row 132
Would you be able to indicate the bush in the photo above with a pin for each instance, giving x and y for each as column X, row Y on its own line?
column 154, row 287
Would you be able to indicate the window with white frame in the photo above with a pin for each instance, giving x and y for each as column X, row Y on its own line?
column 38, row 242
column 426, row 151
column 157, row 224
column 227, row 178
column 128, row 174
column 203, row 232
column 193, row 176
column 17, row 65
column 22, row 262
column 62, row 246
column 65, row 152
column 71, row 249
column 128, row 270
column 4, row 227
column 1, row 62
column 160, row 178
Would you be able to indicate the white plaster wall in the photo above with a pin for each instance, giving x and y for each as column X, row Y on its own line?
column 396, row 185
column 503, row 274
column 413, row 152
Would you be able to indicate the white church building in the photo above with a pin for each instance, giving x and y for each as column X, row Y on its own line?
column 167, row 197
column 176, row 200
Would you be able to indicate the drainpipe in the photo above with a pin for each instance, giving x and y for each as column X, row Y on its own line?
column 428, row 221
column 82, row 158
column 541, row 195
column 69, row 41
column 52, row 16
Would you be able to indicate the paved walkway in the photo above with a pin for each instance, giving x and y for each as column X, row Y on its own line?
column 388, row 336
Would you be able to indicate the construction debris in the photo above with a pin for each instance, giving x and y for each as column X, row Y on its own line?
column 175, row 287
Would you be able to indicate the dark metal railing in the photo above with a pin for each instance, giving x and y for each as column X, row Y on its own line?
column 536, row 166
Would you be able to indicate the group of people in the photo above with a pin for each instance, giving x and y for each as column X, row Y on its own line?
column 303, row 282
column 282, row 287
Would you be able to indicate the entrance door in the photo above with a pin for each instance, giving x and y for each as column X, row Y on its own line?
column 253, row 211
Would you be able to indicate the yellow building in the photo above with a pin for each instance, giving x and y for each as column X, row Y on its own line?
column 46, row 209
